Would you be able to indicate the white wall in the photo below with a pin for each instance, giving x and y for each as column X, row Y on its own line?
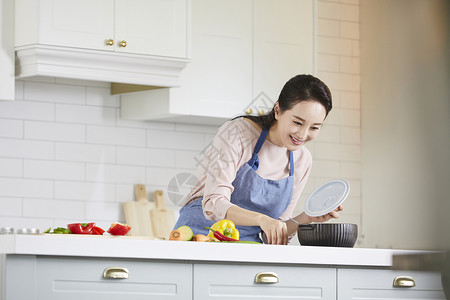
column 65, row 154
column 405, row 123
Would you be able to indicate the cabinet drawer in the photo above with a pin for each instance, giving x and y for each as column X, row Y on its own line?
column 379, row 284
column 83, row 278
column 238, row 282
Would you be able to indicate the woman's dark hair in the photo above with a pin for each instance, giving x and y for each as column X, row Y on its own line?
column 297, row 89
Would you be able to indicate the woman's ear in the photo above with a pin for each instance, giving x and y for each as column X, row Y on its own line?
column 276, row 107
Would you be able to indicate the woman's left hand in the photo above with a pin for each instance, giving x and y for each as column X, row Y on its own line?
column 332, row 215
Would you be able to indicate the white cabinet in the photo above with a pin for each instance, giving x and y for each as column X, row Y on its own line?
column 243, row 52
column 55, row 278
column 7, row 90
column 214, row 281
column 103, row 40
column 379, row 284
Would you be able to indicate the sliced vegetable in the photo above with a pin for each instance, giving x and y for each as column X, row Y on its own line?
column 186, row 232
column 175, row 235
column 119, row 229
column 47, row 230
column 97, row 231
column 201, row 238
column 61, row 230
column 226, row 228
column 220, row 236
column 81, row 228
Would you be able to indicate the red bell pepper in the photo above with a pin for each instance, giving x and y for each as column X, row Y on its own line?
column 81, row 228
column 119, row 229
column 97, row 231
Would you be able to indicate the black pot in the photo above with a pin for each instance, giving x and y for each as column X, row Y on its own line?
column 330, row 235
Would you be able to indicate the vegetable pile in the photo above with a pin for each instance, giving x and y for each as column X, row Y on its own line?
column 221, row 231
column 90, row 228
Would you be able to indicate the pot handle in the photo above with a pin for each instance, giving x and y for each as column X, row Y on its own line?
column 307, row 227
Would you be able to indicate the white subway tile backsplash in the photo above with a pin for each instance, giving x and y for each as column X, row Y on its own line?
column 115, row 136
column 338, row 11
column 340, row 81
column 19, row 187
column 349, row 64
column 325, row 168
column 351, row 135
column 49, row 92
column 19, row 90
column 85, row 114
column 45, row 208
column 146, row 157
column 187, row 159
column 87, row 191
column 328, row 28
column 10, row 206
column 162, row 176
column 114, row 173
column 101, row 96
column 349, row 30
column 85, row 152
column 329, row 133
column 329, row 63
column 104, row 211
column 11, row 167
column 26, row 149
column 54, row 131
column 351, row 170
column 350, row 100
column 11, row 128
column 334, row 46
column 53, row 170
column 26, row 110
column 174, row 140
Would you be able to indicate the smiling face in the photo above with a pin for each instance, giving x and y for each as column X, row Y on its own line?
column 297, row 126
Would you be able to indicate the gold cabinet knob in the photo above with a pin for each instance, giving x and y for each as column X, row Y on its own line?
column 123, row 44
column 266, row 277
column 109, row 42
column 404, row 281
column 115, row 273
column 248, row 111
column 261, row 112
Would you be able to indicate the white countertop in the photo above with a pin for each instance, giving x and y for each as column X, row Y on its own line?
column 144, row 248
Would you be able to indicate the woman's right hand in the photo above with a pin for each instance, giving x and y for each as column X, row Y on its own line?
column 274, row 230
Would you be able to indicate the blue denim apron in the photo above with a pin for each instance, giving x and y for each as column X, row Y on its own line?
column 269, row 197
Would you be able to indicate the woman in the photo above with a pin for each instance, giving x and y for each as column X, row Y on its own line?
column 256, row 167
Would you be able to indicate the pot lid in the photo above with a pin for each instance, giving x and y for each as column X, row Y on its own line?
column 327, row 198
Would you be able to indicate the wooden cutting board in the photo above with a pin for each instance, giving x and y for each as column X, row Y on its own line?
column 163, row 219
column 137, row 213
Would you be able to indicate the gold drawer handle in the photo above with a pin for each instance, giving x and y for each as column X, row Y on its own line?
column 115, row 273
column 248, row 111
column 109, row 42
column 404, row 281
column 261, row 112
column 123, row 44
column 266, row 277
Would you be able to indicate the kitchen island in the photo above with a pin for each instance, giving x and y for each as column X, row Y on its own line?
column 56, row 266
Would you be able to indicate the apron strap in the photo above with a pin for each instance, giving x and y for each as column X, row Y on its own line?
column 254, row 161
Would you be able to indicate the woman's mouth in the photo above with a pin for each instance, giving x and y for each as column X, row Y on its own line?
column 296, row 141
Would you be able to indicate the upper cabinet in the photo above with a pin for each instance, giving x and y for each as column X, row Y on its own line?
column 143, row 42
column 243, row 52
column 7, row 89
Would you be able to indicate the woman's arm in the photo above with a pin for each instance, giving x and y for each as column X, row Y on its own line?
column 275, row 230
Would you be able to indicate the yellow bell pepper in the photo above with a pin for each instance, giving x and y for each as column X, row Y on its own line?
column 225, row 227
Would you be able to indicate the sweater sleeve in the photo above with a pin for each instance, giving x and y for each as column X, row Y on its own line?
column 224, row 156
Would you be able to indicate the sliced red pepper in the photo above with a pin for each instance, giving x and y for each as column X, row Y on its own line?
column 81, row 228
column 119, row 229
column 220, row 236
column 97, row 231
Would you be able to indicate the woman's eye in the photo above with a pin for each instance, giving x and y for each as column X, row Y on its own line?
column 315, row 128
column 298, row 123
